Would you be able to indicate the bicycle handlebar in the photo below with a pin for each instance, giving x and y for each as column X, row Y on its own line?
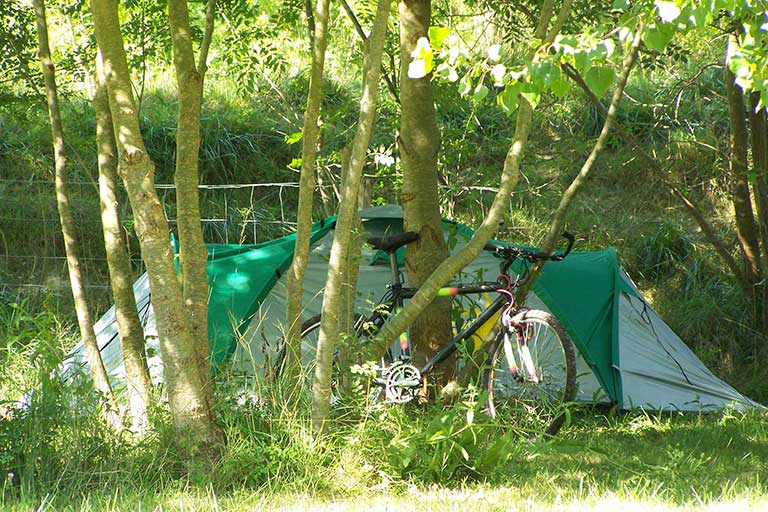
column 510, row 253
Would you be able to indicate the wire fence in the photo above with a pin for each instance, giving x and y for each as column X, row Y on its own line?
column 32, row 255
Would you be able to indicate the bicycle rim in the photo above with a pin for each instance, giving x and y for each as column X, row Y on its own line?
column 541, row 375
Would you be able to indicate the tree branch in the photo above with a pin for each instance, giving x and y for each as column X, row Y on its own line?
column 360, row 32
column 205, row 44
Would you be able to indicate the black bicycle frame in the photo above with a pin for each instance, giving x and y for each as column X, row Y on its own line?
column 400, row 294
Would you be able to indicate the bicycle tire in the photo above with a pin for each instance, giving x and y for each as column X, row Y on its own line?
column 551, row 351
column 310, row 330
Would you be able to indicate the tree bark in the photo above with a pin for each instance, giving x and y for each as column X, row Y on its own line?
column 738, row 169
column 190, row 409
column 578, row 182
column 295, row 280
column 454, row 263
column 758, row 130
column 419, row 146
column 192, row 252
column 321, row 389
column 120, row 275
column 84, row 320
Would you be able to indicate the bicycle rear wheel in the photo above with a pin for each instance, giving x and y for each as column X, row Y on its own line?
column 533, row 368
column 310, row 332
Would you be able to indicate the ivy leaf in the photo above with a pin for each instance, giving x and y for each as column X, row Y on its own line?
column 560, row 88
column 599, row 79
column 437, row 36
column 293, row 138
column 481, row 91
column 657, row 37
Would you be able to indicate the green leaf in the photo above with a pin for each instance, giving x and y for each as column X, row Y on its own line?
column 599, row 79
column 507, row 99
column 532, row 97
column 481, row 91
column 465, row 85
column 668, row 11
column 423, row 57
column 657, row 37
column 620, row 4
column 560, row 88
column 437, row 36
column 293, row 138
column 701, row 16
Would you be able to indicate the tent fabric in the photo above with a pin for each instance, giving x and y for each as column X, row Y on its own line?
column 626, row 354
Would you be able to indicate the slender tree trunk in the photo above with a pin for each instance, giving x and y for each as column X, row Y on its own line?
column 120, row 276
column 190, row 409
column 84, row 320
column 192, row 254
column 295, row 279
column 578, row 182
column 321, row 389
column 759, row 137
column 509, row 178
column 738, row 168
column 419, row 145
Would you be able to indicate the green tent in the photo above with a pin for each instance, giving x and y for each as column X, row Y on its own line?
column 626, row 354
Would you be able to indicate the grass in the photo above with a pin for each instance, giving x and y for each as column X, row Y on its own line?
column 637, row 461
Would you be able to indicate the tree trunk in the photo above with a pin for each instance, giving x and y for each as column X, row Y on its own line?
column 120, row 275
column 321, row 389
column 84, row 320
column 295, row 279
column 759, row 137
column 738, row 169
column 192, row 252
column 419, row 145
column 556, row 227
column 190, row 409
column 509, row 178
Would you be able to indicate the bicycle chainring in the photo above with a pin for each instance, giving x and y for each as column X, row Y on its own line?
column 402, row 381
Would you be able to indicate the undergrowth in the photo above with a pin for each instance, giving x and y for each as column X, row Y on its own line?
column 57, row 453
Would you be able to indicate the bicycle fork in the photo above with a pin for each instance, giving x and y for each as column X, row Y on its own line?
column 520, row 347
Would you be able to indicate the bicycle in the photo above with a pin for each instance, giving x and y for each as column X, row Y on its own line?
column 530, row 359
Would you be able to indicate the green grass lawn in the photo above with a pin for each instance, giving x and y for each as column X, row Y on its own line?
column 628, row 462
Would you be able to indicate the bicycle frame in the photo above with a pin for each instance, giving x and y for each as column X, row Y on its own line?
column 400, row 294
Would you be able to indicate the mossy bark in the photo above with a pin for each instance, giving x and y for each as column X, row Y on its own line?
column 190, row 409
column 295, row 279
column 419, row 145
column 192, row 252
column 332, row 296
column 120, row 275
column 84, row 319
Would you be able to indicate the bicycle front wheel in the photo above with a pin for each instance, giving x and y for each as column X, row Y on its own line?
column 532, row 369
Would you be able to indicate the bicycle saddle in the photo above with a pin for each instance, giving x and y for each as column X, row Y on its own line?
column 390, row 244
